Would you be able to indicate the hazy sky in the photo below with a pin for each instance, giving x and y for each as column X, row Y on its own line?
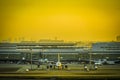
column 77, row 20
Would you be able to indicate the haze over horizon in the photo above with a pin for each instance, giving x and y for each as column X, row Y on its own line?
column 69, row 20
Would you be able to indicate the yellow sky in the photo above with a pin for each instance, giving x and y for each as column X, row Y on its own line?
column 71, row 20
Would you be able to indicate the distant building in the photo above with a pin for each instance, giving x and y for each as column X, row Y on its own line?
column 118, row 38
column 50, row 41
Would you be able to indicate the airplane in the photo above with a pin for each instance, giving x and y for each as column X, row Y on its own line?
column 58, row 64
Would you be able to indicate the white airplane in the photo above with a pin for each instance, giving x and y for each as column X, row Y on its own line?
column 58, row 64
column 99, row 62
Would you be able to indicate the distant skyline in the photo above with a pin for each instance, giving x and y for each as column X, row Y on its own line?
column 69, row 20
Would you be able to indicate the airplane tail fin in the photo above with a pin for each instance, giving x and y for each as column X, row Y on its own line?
column 58, row 57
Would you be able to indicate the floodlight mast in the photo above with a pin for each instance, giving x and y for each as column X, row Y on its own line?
column 58, row 57
column 90, row 52
column 31, row 58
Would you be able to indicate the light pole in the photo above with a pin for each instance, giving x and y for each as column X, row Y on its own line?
column 42, row 51
column 31, row 57
column 90, row 59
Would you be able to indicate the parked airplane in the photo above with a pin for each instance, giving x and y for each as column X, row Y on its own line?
column 58, row 64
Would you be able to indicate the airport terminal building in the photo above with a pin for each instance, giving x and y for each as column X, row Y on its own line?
column 50, row 48
column 108, row 50
column 43, row 49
